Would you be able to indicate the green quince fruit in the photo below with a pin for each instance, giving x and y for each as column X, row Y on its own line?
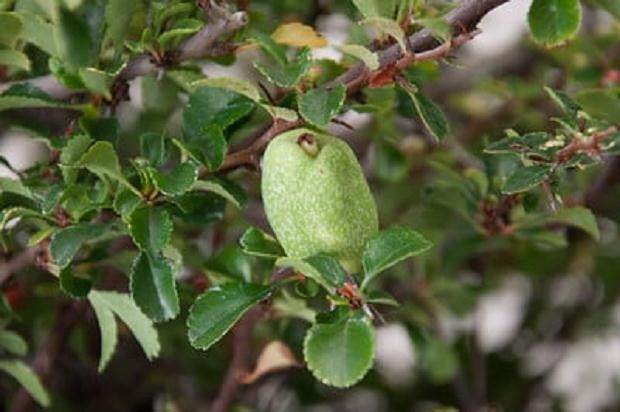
column 316, row 197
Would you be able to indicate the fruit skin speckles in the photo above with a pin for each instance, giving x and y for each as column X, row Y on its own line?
column 319, row 203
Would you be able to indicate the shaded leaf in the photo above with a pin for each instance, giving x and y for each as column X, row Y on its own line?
column 101, row 159
column 224, row 188
column 230, row 262
column 525, row 178
column 290, row 73
column 433, row 118
column 66, row 242
column 72, row 285
column 255, row 242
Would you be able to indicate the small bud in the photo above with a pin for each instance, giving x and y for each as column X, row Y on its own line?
column 309, row 144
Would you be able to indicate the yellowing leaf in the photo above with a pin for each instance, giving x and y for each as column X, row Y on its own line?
column 274, row 357
column 298, row 35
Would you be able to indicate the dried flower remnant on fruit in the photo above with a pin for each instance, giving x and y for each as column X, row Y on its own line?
column 309, row 144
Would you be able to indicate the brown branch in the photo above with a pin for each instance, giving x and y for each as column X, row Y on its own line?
column 423, row 46
column 465, row 17
column 250, row 155
column 240, row 363
column 590, row 145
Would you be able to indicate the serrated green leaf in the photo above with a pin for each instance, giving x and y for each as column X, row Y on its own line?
column 72, row 285
column 14, row 58
column 210, row 111
column 124, row 307
column 13, row 343
column 431, row 115
column 219, row 308
column 388, row 247
column 178, row 181
column 322, row 268
column 525, row 178
column 340, row 352
column 290, row 73
column 554, row 21
column 74, row 44
column 150, row 228
column 153, row 148
column 255, row 242
column 66, row 242
column 101, row 159
column 225, row 188
column 107, row 330
column 27, row 378
column 319, row 105
column 74, row 149
column 370, row 59
column 125, row 202
column 153, row 287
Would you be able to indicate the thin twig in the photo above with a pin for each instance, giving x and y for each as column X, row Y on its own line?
column 240, row 363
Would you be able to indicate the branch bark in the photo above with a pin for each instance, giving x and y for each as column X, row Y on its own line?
column 423, row 46
column 242, row 338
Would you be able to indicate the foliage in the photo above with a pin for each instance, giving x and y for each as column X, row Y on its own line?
column 157, row 219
